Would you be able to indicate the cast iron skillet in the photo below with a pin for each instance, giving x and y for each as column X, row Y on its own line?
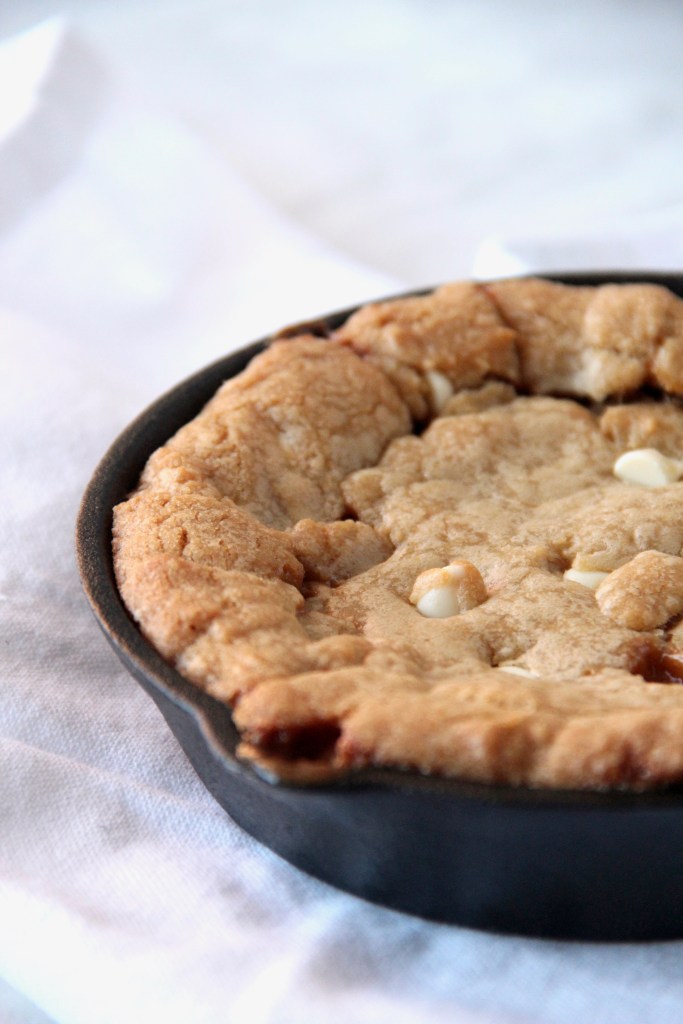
column 600, row 866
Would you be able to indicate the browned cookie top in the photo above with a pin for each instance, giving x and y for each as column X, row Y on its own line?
column 493, row 597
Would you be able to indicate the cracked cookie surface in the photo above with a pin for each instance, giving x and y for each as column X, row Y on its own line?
column 272, row 549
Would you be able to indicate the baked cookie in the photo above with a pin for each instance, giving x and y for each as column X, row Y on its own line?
column 446, row 539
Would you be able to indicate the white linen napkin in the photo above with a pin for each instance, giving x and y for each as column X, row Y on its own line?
column 652, row 241
column 131, row 255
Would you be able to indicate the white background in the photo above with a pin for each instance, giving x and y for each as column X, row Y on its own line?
column 175, row 179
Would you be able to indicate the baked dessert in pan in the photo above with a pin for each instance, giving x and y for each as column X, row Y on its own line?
column 446, row 539
column 603, row 862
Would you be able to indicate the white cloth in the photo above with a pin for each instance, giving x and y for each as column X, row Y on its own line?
column 130, row 255
column 651, row 242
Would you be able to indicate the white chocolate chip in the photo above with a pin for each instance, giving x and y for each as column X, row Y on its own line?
column 440, row 593
column 592, row 580
column 439, row 603
column 647, row 467
column 440, row 389
column 517, row 670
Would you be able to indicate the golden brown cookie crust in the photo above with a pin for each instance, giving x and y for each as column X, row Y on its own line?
column 283, row 548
